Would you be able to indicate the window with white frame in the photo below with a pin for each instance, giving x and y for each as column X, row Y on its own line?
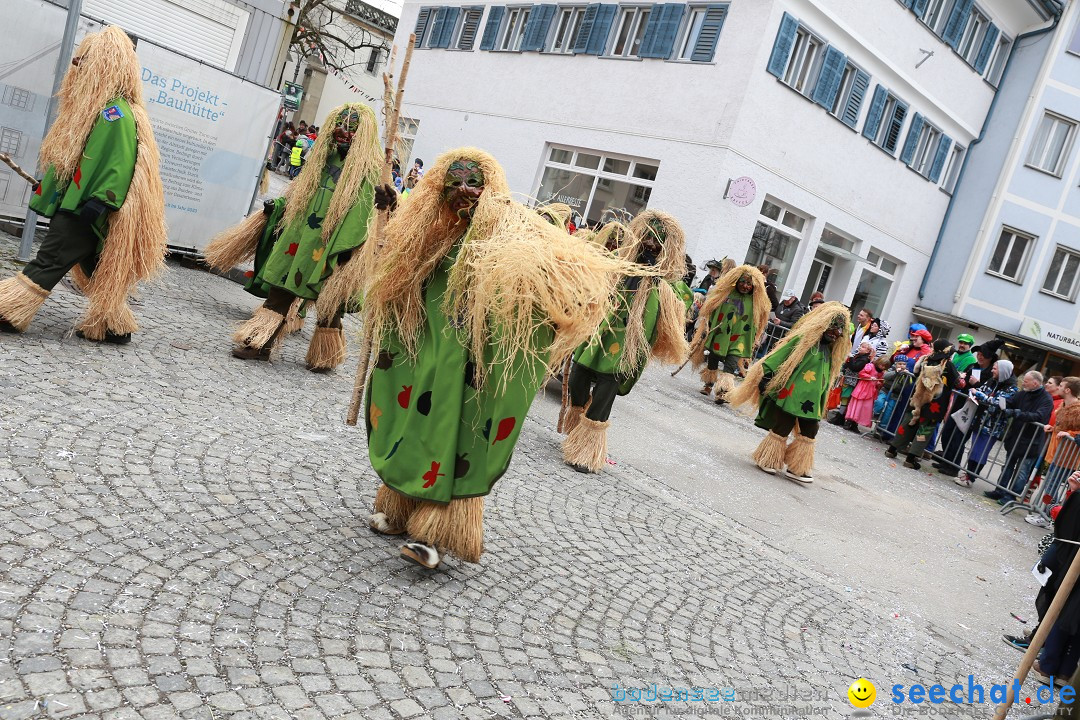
column 514, row 28
column 407, row 129
column 373, row 61
column 5, row 178
column 996, row 66
column 629, row 31
column 892, row 122
column 952, row 169
column 926, row 148
column 17, row 97
column 776, row 238
column 1010, row 254
column 595, row 183
column 875, row 282
column 804, row 63
column 10, row 140
column 565, row 29
column 937, row 14
column 1061, row 277
column 972, row 39
column 467, row 28
column 1052, row 143
column 844, row 95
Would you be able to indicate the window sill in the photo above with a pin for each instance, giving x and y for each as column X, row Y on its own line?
column 558, row 53
column 1006, row 278
column 947, row 192
column 631, row 58
column 1041, row 170
column 800, row 94
column 1063, row 298
column 679, row 61
column 890, row 153
column 924, row 177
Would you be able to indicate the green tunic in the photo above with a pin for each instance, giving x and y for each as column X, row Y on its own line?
column 807, row 390
column 103, row 174
column 431, row 434
column 296, row 259
column 733, row 327
column 963, row 360
column 684, row 292
column 604, row 351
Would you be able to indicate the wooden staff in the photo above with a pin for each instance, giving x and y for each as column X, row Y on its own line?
column 695, row 347
column 6, row 159
column 380, row 223
column 1047, row 623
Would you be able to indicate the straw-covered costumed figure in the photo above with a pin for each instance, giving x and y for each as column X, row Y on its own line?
column 474, row 299
column 300, row 241
column 102, row 189
column 558, row 214
column 790, row 385
column 647, row 322
column 734, row 316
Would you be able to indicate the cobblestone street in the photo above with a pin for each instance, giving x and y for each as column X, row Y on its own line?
column 182, row 534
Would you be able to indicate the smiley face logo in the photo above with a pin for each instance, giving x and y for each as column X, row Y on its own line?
column 862, row 693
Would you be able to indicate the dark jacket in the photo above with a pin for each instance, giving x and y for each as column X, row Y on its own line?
column 788, row 315
column 1025, row 408
column 774, row 297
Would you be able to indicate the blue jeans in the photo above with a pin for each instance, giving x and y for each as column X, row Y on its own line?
column 1015, row 474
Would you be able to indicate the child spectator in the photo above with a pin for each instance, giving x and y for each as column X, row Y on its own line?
column 860, row 408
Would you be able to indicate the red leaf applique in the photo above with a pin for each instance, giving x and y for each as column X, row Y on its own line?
column 404, row 395
column 293, row 247
column 786, row 392
column 506, row 426
column 77, row 179
column 432, row 475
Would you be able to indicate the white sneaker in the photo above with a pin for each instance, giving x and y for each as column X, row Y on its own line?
column 1037, row 520
column 762, row 468
column 803, row 479
column 962, row 480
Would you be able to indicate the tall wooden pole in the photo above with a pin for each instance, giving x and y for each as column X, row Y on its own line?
column 380, row 223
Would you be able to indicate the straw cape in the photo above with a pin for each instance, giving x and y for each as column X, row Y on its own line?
column 100, row 148
column 306, row 239
column 648, row 322
column 468, row 318
column 731, row 325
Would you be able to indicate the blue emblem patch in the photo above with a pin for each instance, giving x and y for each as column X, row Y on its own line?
column 112, row 113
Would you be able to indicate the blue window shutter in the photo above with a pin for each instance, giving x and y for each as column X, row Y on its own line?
column 709, row 36
column 652, row 31
column 907, row 3
column 781, row 51
column 919, row 7
column 832, row 72
column 601, row 27
column 422, row 21
column 585, row 30
column 892, row 136
column 913, row 133
column 469, row 27
column 873, row 118
column 435, row 32
column 939, row 159
column 491, row 30
column 987, row 47
column 954, row 29
column 850, row 114
column 448, row 16
column 536, row 30
column 669, row 29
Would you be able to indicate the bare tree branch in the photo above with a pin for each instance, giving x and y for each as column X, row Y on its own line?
column 322, row 29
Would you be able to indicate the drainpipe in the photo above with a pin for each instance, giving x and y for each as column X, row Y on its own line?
column 976, row 141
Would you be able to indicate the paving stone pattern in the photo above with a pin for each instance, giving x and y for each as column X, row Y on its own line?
column 182, row 535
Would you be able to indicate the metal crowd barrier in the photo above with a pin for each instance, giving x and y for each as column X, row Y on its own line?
column 1014, row 466
column 773, row 333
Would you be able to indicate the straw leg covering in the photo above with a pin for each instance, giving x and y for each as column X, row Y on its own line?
column 119, row 321
column 293, row 320
column 586, row 445
column 20, row 299
column 709, row 376
column 397, row 507
column 327, row 348
column 725, row 382
column 258, row 331
column 456, row 528
column 572, row 418
column 771, row 451
column 799, row 456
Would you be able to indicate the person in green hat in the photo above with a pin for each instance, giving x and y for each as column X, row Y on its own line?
column 963, row 358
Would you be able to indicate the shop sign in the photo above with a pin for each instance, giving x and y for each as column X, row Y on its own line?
column 1058, row 337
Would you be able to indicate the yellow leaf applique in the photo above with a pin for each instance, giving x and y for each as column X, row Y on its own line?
column 317, row 254
column 614, row 348
column 376, row 413
column 809, row 376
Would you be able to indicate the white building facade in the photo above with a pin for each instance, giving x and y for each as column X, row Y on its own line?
column 815, row 136
column 1008, row 261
